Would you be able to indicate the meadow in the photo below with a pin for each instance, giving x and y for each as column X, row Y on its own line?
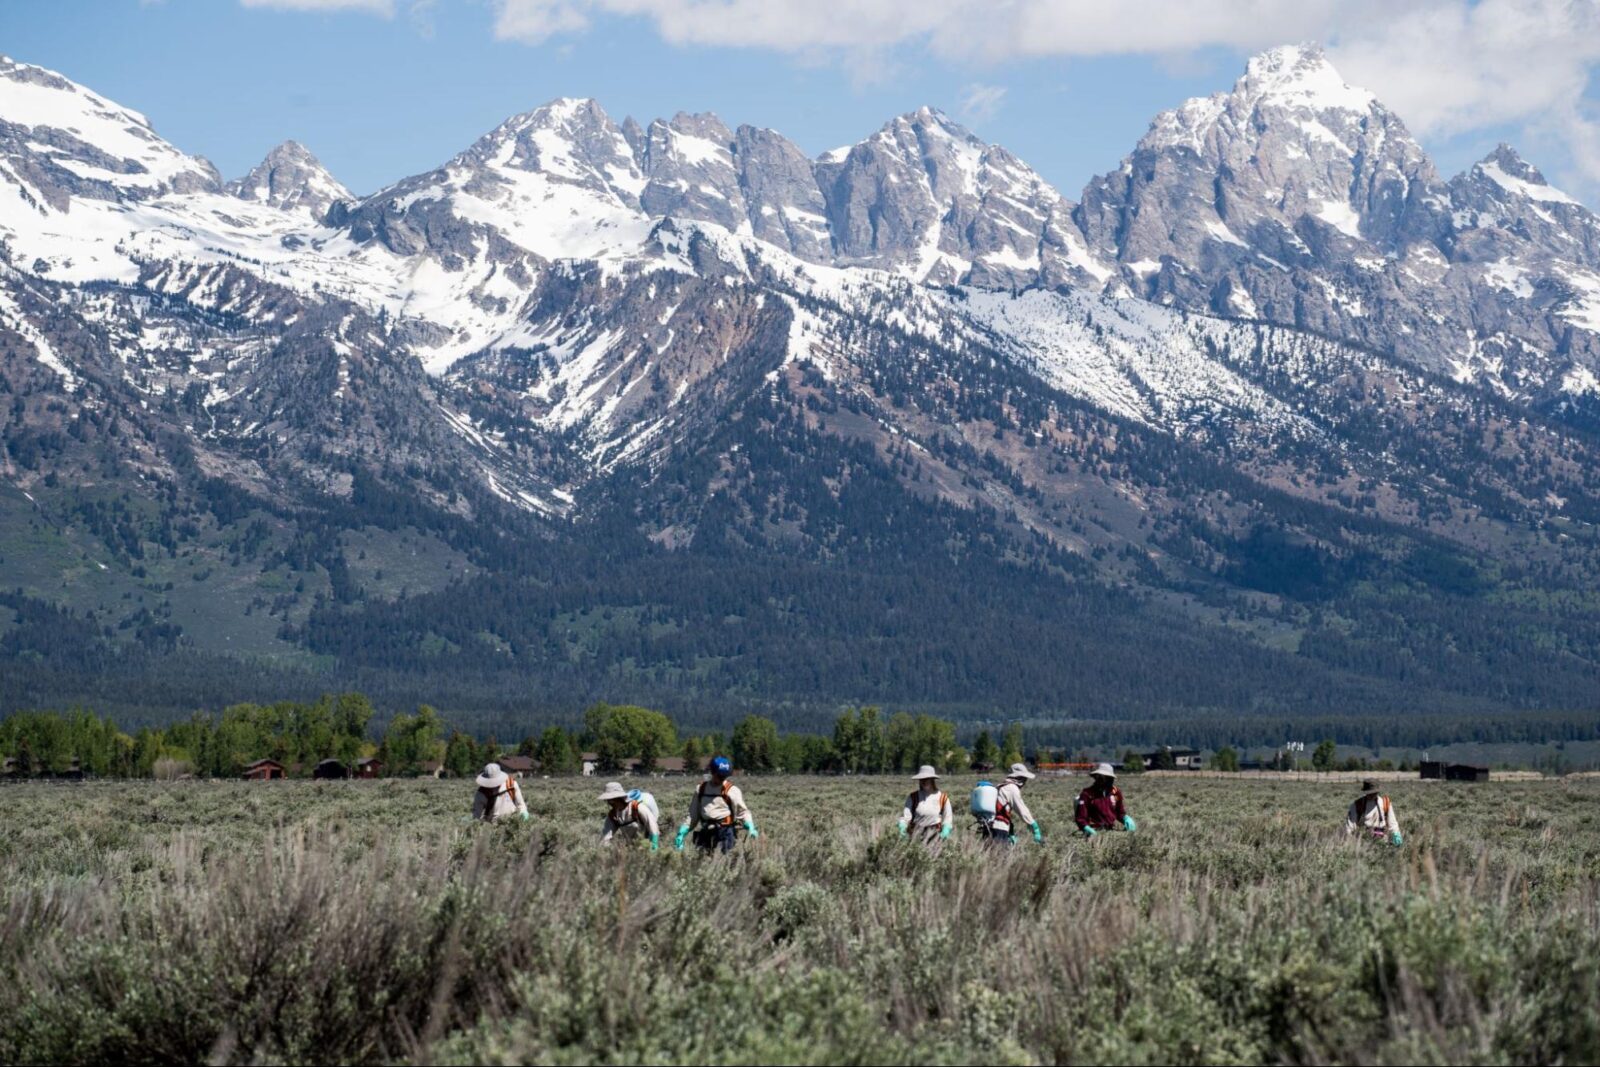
column 357, row 922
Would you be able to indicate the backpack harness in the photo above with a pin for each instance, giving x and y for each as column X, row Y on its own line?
column 701, row 793
column 491, row 797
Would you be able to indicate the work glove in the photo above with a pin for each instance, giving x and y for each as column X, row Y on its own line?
column 683, row 832
column 525, row 816
column 1129, row 825
column 903, row 831
column 1396, row 840
column 1088, row 831
column 655, row 842
column 750, row 828
column 1038, row 834
column 944, row 833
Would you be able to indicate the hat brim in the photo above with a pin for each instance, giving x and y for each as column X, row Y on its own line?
column 1021, row 774
column 614, row 796
column 489, row 781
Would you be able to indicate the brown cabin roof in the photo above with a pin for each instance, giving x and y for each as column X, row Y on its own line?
column 520, row 764
column 263, row 763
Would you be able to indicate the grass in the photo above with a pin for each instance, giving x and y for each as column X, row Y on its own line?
column 364, row 922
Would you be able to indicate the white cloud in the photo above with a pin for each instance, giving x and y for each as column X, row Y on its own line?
column 1446, row 66
column 371, row 7
column 980, row 102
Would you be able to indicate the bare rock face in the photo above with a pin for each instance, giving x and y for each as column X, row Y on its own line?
column 292, row 179
column 927, row 198
column 781, row 195
column 1300, row 200
column 690, row 169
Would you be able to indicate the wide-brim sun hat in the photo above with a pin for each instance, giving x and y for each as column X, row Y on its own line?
column 1019, row 770
column 1369, row 786
column 491, row 776
column 925, row 772
column 614, row 791
column 1103, row 770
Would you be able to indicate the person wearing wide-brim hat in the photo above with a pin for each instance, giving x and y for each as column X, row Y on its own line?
column 498, row 795
column 1373, row 813
column 1010, row 809
column 629, row 817
column 1100, row 807
column 927, row 811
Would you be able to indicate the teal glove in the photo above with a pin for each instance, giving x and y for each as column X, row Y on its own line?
column 1396, row 840
column 526, row 816
column 683, row 832
column 944, row 833
column 750, row 828
column 903, row 831
column 1038, row 834
column 1129, row 825
column 1088, row 831
column 655, row 842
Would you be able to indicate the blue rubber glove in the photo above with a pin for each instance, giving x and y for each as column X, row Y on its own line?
column 683, row 832
column 1396, row 840
column 1129, row 825
column 655, row 842
column 1088, row 831
column 1038, row 834
column 944, row 833
column 750, row 828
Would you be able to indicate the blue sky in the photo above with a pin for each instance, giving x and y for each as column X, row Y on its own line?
column 380, row 89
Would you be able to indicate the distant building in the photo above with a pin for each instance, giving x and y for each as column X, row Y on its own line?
column 1432, row 768
column 264, row 770
column 369, row 767
column 330, row 768
column 518, row 766
column 1183, row 759
column 430, row 769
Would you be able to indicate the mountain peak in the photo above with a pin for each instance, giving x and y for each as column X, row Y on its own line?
column 292, row 179
column 1506, row 168
column 1302, row 75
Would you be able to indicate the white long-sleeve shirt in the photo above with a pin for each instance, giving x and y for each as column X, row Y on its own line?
column 634, row 818
column 1373, row 813
column 927, row 811
column 715, row 805
column 507, row 800
column 1011, row 812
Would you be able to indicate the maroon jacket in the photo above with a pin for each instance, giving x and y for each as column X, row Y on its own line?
column 1103, row 811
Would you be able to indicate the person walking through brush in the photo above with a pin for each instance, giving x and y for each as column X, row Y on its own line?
column 629, row 816
column 1100, row 806
column 716, row 812
column 1372, row 813
column 1009, row 809
column 498, row 796
column 927, row 811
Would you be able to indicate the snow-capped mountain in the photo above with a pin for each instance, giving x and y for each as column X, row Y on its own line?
column 1298, row 199
column 1273, row 315
column 292, row 179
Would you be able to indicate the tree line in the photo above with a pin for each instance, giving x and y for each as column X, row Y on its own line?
column 614, row 737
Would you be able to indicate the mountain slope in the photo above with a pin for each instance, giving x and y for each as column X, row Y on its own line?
column 669, row 410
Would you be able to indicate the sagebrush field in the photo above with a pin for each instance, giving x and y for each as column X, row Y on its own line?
column 365, row 921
